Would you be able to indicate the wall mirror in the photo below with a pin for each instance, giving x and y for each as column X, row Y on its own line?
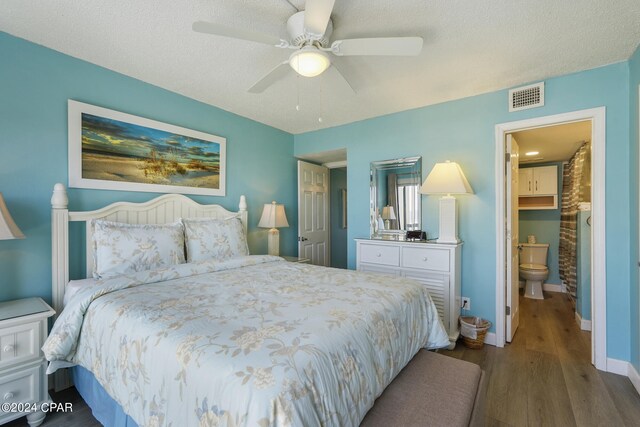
column 395, row 206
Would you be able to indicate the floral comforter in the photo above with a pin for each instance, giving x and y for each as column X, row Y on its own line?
column 252, row 341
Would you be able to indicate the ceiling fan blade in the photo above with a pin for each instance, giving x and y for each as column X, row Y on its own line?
column 337, row 71
column 383, row 46
column 316, row 16
column 234, row 33
column 274, row 75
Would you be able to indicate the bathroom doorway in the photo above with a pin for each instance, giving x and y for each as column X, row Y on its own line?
column 551, row 155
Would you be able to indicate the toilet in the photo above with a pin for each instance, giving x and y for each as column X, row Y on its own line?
column 533, row 268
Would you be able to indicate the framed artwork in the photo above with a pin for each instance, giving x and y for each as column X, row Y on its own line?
column 110, row 150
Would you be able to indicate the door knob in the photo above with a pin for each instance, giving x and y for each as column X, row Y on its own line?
column 302, row 239
column 8, row 396
column 8, row 348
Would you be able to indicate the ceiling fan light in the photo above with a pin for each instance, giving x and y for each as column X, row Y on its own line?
column 309, row 61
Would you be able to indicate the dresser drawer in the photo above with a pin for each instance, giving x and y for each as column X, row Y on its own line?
column 19, row 344
column 379, row 269
column 380, row 254
column 425, row 258
column 22, row 386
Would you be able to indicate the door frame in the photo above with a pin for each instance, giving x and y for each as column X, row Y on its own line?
column 597, row 116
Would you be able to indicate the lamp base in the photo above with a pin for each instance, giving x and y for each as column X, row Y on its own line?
column 273, row 242
column 448, row 220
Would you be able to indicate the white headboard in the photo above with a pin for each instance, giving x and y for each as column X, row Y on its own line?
column 161, row 210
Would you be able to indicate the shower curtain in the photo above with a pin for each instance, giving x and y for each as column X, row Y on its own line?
column 571, row 180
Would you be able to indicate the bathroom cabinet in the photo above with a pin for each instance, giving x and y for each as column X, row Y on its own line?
column 538, row 187
column 435, row 265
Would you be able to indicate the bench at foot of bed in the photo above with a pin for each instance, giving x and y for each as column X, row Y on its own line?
column 432, row 390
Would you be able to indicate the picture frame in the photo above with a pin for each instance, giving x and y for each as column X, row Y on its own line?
column 111, row 150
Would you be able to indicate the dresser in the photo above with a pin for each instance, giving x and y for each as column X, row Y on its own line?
column 23, row 378
column 435, row 265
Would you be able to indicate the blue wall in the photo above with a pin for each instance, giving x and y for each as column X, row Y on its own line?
column 464, row 131
column 545, row 225
column 338, row 234
column 634, row 295
column 35, row 83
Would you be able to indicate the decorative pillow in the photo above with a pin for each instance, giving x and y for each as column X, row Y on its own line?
column 214, row 238
column 127, row 248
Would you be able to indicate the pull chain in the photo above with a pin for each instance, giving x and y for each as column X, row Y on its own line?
column 297, row 92
column 321, row 101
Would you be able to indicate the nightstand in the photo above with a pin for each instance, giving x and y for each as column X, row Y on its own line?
column 23, row 377
column 299, row 260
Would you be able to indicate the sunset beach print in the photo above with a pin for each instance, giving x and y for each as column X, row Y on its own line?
column 114, row 150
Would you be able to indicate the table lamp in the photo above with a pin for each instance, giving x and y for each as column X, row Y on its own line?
column 273, row 217
column 447, row 178
column 8, row 228
column 388, row 214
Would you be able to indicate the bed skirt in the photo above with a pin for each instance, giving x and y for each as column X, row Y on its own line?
column 103, row 407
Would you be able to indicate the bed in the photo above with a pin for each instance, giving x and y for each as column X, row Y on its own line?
column 248, row 340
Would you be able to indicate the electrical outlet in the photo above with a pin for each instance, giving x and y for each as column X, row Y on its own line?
column 465, row 303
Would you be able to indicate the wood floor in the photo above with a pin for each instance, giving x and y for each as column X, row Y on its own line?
column 543, row 378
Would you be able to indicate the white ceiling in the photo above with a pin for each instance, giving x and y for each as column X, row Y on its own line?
column 554, row 143
column 470, row 47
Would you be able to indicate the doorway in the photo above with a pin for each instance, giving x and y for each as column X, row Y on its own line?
column 505, row 286
column 322, row 208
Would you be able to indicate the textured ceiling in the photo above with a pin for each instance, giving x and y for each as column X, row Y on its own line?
column 554, row 143
column 470, row 47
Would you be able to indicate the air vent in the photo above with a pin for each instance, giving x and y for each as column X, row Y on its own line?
column 526, row 97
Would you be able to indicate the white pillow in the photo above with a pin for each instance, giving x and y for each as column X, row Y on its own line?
column 127, row 248
column 214, row 238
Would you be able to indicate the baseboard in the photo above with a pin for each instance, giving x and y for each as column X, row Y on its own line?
column 585, row 325
column 490, row 338
column 620, row 367
column 634, row 377
column 551, row 287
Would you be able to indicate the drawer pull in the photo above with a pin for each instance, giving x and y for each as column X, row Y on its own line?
column 379, row 255
column 425, row 259
column 8, row 396
column 8, row 348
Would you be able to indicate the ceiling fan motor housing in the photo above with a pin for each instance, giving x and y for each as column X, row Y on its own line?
column 295, row 28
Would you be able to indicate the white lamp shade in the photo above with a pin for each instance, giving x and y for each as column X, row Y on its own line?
column 273, row 216
column 8, row 228
column 446, row 178
column 388, row 213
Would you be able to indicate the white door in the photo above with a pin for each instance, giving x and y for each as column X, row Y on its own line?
column 512, row 253
column 313, row 213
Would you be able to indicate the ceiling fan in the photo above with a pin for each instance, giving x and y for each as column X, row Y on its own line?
column 309, row 32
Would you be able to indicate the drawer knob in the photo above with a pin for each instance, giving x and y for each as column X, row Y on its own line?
column 425, row 259
column 8, row 396
column 379, row 255
column 8, row 348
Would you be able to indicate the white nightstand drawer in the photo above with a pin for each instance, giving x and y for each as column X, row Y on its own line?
column 380, row 254
column 21, row 386
column 425, row 258
column 19, row 343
